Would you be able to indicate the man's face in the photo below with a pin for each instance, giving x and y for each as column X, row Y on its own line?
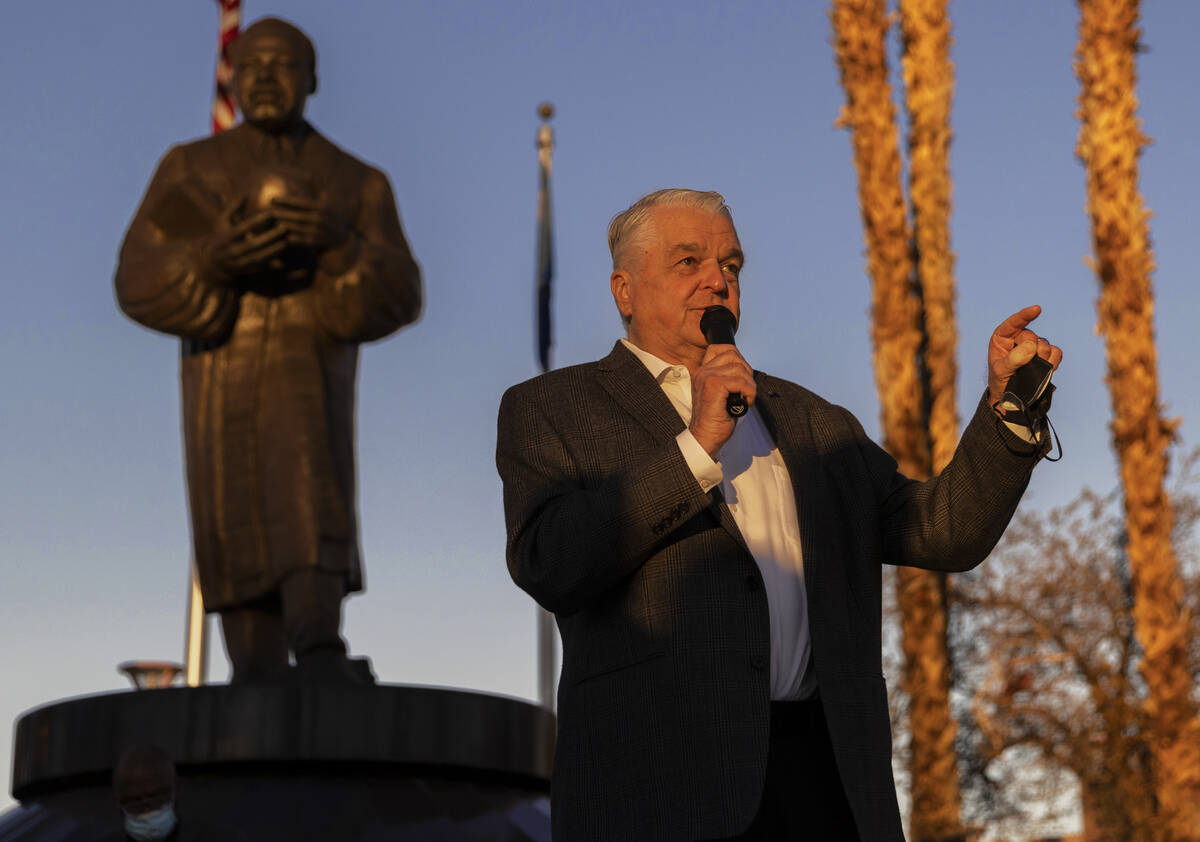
column 688, row 259
column 272, row 79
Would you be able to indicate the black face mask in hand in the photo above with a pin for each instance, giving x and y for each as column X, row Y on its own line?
column 1027, row 398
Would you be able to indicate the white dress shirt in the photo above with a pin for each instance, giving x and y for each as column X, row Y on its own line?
column 758, row 490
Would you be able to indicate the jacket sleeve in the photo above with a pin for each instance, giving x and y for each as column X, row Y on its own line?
column 952, row 521
column 371, row 286
column 572, row 538
column 162, row 281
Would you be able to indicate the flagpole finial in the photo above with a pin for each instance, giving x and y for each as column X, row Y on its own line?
column 545, row 137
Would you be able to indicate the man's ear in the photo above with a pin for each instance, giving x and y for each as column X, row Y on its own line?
column 621, row 284
column 312, row 88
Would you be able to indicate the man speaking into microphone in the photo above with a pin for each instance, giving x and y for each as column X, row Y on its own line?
column 716, row 575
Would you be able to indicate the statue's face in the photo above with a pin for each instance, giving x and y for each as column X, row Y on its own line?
column 271, row 81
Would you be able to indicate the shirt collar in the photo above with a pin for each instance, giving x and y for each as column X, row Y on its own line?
column 659, row 369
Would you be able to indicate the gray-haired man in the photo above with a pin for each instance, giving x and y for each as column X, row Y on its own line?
column 717, row 582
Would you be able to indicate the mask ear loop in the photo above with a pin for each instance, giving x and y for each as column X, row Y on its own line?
column 1057, row 443
column 1034, row 421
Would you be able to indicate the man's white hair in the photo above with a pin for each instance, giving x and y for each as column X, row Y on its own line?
column 628, row 227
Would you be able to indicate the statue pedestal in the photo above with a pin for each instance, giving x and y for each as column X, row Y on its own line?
column 295, row 762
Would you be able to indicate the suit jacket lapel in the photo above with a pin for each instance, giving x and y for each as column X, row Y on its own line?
column 725, row 518
column 629, row 382
column 791, row 428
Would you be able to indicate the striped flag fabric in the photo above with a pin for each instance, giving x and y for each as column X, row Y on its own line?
column 545, row 246
column 223, row 113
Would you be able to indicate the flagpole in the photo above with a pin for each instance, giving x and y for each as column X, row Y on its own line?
column 547, row 634
column 195, row 648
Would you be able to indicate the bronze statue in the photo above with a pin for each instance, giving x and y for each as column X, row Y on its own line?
column 272, row 254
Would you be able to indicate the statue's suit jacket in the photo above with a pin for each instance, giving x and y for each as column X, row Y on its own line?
column 663, row 701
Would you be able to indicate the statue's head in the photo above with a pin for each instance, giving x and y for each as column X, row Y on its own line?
column 274, row 71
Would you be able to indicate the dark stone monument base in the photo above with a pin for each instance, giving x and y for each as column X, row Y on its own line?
column 294, row 762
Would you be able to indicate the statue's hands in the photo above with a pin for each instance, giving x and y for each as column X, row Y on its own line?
column 247, row 246
column 310, row 222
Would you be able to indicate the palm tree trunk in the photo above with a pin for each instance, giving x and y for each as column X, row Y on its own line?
column 860, row 29
column 897, row 333
column 1110, row 142
column 928, row 92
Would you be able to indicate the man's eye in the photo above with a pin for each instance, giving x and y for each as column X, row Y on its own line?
column 733, row 269
column 687, row 261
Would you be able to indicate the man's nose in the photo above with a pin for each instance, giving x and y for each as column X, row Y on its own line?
column 714, row 278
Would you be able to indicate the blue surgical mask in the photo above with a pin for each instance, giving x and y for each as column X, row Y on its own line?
column 152, row 826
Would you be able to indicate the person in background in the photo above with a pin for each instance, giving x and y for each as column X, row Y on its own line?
column 144, row 787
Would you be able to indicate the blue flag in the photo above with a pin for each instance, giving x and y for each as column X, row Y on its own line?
column 545, row 255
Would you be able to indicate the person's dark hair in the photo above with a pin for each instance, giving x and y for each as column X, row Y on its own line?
column 143, row 770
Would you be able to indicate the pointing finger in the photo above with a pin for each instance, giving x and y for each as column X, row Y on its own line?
column 1011, row 327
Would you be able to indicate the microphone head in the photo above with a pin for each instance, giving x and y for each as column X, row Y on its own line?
column 718, row 324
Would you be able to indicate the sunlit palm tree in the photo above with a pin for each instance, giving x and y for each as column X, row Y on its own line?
column 1110, row 143
column 901, row 332
column 928, row 92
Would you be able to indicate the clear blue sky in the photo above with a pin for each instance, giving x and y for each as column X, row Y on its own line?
column 740, row 97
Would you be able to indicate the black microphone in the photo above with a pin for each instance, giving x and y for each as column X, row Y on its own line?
column 718, row 324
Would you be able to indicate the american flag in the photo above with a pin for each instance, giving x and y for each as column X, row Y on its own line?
column 223, row 113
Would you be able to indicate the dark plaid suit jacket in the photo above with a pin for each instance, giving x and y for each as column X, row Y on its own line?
column 663, row 702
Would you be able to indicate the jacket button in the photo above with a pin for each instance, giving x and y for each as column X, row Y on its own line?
column 752, row 583
column 758, row 661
